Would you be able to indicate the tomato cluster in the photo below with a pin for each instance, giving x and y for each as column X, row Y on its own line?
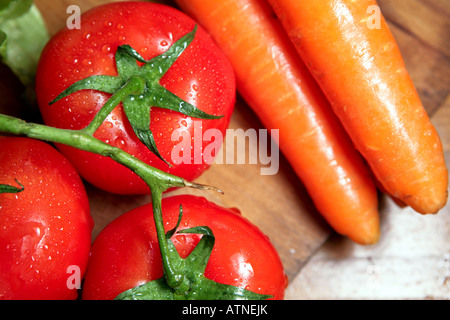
column 45, row 242
column 201, row 76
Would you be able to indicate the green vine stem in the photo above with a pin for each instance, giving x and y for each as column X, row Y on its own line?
column 155, row 178
column 135, row 85
column 158, row 181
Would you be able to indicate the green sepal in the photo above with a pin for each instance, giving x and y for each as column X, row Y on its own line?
column 126, row 62
column 159, row 65
column 167, row 100
column 137, row 109
column 170, row 233
column 193, row 283
column 127, row 49
column 106, row 84
column 137, row 106
column 152, row 290
column 204, row 289
column 199, row 257
column 5, row 188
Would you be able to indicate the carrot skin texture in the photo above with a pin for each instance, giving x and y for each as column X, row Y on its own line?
column 360, row 68
column 281, row 91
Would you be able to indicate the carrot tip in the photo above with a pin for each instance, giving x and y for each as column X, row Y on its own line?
column 368, row 232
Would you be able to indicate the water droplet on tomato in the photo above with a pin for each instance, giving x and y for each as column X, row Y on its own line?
column 120, row 143
column 163, row 43
column 108, row 124
column 106, row 49
column 70, row 59
column 181, row 239
column 87, row 35
column 30, row 235
column 86, row 62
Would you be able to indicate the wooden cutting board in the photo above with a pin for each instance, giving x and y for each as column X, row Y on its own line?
column 279, row 204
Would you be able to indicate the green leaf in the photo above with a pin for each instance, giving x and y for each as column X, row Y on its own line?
column 2, row 38
column 26, row 35
column 10, row 9
column 4, row 188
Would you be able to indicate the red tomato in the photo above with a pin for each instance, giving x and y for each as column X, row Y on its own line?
column 46, row 229
column 201, row 76
column 126, row 253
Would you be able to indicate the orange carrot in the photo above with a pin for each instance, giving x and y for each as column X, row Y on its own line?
column 284, row 95
column 351, row 52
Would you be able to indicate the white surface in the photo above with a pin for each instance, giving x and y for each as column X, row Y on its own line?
column 411, row 261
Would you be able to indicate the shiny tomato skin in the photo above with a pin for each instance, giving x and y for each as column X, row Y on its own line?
column 46, row 228
column 202, row 76
column 126, row 253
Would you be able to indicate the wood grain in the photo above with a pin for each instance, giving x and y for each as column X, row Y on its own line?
column 429, row 67
column 427, row 20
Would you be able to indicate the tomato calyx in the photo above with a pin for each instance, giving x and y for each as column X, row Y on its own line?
column 139, row 89
column 5, row 188
column 186, row 280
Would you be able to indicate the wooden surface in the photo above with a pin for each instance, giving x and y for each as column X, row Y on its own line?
column 412, row 259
